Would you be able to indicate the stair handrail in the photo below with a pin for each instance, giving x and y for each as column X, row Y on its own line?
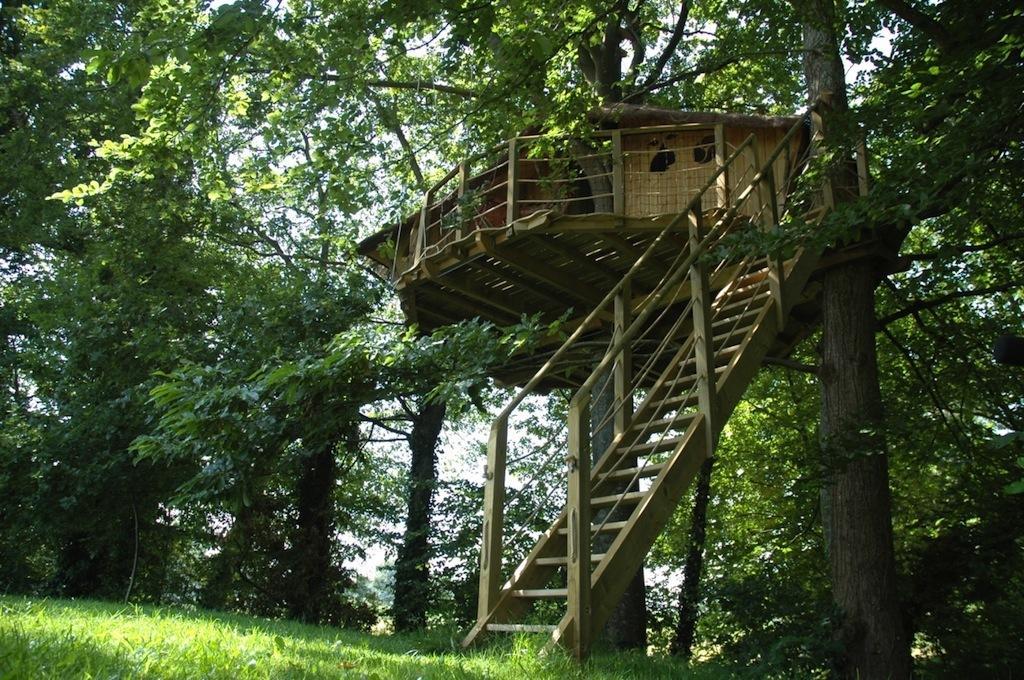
column 497, row 443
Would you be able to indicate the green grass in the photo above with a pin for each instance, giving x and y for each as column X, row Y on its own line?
column 41, row 638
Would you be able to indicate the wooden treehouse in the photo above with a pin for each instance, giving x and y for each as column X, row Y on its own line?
column 634, row 235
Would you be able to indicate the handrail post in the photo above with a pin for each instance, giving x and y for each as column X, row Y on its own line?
column 578, row 510
column 623, row 377
column 768, row 204
column 722, row 183
column 863, row 179
column 704, row 351
column 460, row 231
column 511, row 199
column 494, row 518
column 421, row 237
column 618, row 175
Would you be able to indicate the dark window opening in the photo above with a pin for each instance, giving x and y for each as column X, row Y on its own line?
column 705, row 152
column 664, row 158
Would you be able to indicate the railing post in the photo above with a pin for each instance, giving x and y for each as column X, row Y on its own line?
column 511, row 198
column 618, row 175
column 494, row 518
column 578, row 510
column 421, row 237
column 623, row 377
column 863, row 179
column 768, row 205
column 704, row 351
column 722, row 183
column 463, row 218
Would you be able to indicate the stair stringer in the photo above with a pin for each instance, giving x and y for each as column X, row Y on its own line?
column 626, row 554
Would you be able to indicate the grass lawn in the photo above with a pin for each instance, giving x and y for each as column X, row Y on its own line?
column 41, row 638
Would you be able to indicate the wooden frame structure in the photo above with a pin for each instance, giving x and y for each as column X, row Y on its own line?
column 682, row 306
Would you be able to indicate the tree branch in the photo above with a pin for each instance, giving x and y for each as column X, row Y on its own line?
column 921, row 21
column 409, row 85
column 973, row 248
column 673, row 42
column 920, row 305
column 790, row 364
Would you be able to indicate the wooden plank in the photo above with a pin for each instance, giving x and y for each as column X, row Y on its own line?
column 618, row 175
column 511, row 197
column 707, row 394
column 578, row 505
column 469, row 309
column 521, row 282
column 623, row 376
column 769, row 209
column 631, row 252
column 486, row 296
column 539, row 269
column 722, row 183
column 519, row 628
column 557, row 246
column 494, row 518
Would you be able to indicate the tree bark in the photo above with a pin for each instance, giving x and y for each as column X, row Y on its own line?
column 689, row 594
column 311, row 553
column 856, row 512
column 627, row 626
column 412, row 575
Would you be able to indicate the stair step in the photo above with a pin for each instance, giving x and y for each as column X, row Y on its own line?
column 607, row 527
column 656, row 446
column 519, row 628
column 562, row 561
column 739, row 301
column 651, row 470
column 541, row 593
column 724, row 356
column 626, row 498
column 723, row 321
column 654, row 426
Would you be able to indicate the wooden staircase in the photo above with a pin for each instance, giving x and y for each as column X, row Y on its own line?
column 734, row 305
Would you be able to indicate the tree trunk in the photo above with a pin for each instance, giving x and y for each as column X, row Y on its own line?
column 627, row 626
column 311, row 559
column 856, row 513
column 689, row 594
column 412, row 575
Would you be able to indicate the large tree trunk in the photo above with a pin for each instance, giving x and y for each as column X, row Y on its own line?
column 412, row 575
column 855, row 496
column 627, row 626
column 689, row 594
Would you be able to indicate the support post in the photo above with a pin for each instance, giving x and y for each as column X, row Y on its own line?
column 722, row 183
column 578, row 508
column 421, row 237
column 494, row 518
column 463, row 217
column 624, row 365
column 618, row 175
column 704, row 352
column 863, row 179
column 768, row 205
column 511, row 196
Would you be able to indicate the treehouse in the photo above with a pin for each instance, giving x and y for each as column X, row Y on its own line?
column 648, row 239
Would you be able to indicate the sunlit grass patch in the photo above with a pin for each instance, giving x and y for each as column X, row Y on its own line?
column 42, row 638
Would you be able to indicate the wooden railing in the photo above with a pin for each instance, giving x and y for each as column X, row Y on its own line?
column 756, row 206
column 534, row 174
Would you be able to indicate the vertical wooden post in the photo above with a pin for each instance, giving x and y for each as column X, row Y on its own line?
column 817, row 138
column 618, row 175
column 623, row 377
column 494, row 518
column 511, row 197
column 421, row 237
column 863, row 185
column 722, row 183
column 578, row 507
column 463, row 217
column 768, row 205
column 704, row 352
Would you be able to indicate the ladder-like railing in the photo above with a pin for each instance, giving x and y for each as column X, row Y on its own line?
column 734, row 304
